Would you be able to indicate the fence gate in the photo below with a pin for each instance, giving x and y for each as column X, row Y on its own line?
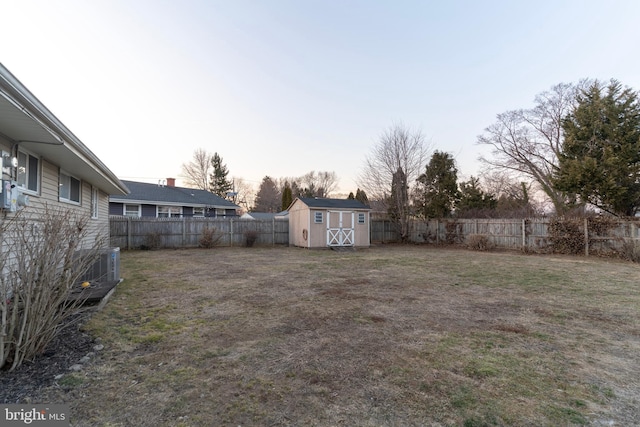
column 340, row 230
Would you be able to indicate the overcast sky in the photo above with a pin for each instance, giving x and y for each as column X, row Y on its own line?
column 283, row 87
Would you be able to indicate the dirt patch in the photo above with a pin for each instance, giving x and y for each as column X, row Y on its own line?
column 26, row 382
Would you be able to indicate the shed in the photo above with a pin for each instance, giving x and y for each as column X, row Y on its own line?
column 326, row 223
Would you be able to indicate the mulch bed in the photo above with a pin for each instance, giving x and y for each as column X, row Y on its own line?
column 24, row 385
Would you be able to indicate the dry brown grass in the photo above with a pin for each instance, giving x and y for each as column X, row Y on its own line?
column 390, row 336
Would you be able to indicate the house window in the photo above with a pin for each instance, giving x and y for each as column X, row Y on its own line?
column 132, row 210
column 361, row 218
column 198, row 212
column 169, row 211
column 221, row 212
column 318, row 217
column 69, row 188
column 95, row 198
column 28, row 171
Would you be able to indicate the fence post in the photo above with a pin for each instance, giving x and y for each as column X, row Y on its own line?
column 524, row 235
column 128, row 232
column 437, row 231
column 273, row 231
column 231, row 232
column 586, row 237
column 184, row 232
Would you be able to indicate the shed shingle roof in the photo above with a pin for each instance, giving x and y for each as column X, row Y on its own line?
column 155, row 194
column 333, row 203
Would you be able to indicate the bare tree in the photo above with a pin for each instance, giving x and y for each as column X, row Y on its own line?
column 391, row 171
column 527, row 143
column 197, row 171
column 398, row 148
column 244, row 193
column 319, row 184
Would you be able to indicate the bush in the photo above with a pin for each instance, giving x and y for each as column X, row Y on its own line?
column 566, row 235
column 250, row 237
column 39, row 266
column 630, row 250
column 479, row 242
column 210, row 238
column 152, row 241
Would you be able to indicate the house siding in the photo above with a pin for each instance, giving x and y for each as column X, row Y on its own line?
column 47, row 198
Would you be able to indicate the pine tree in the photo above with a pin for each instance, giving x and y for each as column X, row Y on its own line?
column 219, row 184
column 362, row 197
column 287, row 196
column 438, row 187
column 600, row 159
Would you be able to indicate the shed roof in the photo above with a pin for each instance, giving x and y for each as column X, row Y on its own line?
column 154, row 194
column 317, row 202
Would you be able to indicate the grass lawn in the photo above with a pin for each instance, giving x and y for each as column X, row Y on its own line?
column 389, row 336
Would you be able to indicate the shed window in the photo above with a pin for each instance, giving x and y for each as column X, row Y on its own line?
column 318, row 217
column 198, row 212
column 69, row 188
column 361, row 218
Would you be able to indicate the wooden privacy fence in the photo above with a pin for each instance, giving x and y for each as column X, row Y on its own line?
column 531, row 234
column 135, row 233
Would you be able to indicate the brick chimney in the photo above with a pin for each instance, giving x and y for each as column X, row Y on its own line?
column 171, row 182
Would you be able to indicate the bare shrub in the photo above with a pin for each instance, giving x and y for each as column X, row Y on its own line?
column 39, row 266
column 630, row 250
column 566, row 235
column 250, row 237
column 479, row 242
column 210, row 238
column 152, row 241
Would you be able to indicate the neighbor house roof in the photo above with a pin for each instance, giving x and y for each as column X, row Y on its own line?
column 142, row 192
column 26, row 122
column 317, row 202
column 265, row 215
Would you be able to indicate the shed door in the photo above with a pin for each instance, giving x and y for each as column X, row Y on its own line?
column 340, row 230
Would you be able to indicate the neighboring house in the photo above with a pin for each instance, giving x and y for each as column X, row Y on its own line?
column 264, row 216
column 322, row 223
column 43, row 163
column 165, row 200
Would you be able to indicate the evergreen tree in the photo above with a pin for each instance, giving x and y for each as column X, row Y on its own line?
column 351, row 196
column 219, row 184
column 600, row 159
column 268, row 198
column 472, row 198
column 437, row 190
column 362, row 197
column 399, row 203
column 287, row 196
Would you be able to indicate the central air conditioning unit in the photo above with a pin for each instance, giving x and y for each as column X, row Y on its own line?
column 106, row 267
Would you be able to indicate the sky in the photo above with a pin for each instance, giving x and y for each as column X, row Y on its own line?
column 280, row 88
